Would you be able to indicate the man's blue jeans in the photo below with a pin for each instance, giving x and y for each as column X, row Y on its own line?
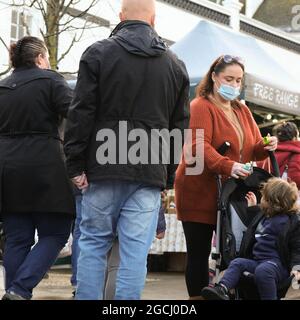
column 113, row 258
column 129, row 210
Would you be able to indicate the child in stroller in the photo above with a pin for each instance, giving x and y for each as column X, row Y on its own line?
column 270, row 247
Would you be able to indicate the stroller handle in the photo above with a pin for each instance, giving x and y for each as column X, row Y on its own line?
column 226, row 145
column 274, row 164
column 223, row 148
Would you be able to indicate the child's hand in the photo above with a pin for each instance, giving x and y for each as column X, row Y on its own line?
column 251, row 199
column 160, row 235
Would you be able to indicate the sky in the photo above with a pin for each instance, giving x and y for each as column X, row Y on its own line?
column 174, row 24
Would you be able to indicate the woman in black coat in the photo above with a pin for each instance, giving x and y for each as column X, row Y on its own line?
column 35, row 193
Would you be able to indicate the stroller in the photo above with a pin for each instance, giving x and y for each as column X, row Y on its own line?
column 2, row 240
column 233, row 220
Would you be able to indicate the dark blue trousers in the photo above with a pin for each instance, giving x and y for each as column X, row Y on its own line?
column 76, row 236
column 24, row 266
column 267, row 274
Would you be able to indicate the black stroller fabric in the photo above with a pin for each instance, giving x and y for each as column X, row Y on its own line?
column 234, row 217
column 1, row 241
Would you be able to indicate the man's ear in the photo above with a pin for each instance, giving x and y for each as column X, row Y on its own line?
column 121, row 16
column 153, row 21
column 38, row 59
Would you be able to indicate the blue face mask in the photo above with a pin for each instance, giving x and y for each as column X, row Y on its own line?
column 228, row 92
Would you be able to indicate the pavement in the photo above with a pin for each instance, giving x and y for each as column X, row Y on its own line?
column 159, row 286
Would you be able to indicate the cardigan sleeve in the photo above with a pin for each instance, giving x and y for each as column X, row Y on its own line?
column 259, row 153
column 201, row 118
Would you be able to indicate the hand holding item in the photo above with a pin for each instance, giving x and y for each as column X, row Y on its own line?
column 270, row 143
column 239, row 170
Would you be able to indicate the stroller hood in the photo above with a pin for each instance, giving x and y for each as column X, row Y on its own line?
column 251, row 183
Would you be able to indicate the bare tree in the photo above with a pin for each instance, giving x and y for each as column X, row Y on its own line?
column 59, row 17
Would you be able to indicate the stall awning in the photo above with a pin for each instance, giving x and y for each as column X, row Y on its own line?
column 267, row 83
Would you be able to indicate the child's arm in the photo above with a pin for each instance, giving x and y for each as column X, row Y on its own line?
column 251, row 199
column 161, row 223
column 253, row 209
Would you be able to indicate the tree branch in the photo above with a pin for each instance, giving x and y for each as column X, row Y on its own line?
column 32, row 3
column 41, row 7
column 79, row 15
column 3, row 42
column 52, row 15
column 72, row 28
column 68, row 50
column 5, row 71
column 63, row 9
column 18, row 5
column 74, row 40
column 59, row 16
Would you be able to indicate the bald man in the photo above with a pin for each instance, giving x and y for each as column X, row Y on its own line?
column 143, row 10
column 128, row 85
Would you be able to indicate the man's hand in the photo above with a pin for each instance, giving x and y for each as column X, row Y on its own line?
column 163, row 194
column 164, row 197
column 80, row 181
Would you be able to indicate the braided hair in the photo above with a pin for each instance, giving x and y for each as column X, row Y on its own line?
column 25, row 51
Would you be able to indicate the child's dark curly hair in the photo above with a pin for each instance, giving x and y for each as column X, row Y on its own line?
column 279, row 196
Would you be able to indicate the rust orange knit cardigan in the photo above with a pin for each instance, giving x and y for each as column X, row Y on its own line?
column 196, row 196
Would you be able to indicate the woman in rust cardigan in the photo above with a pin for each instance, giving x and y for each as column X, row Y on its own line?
column 217, row 111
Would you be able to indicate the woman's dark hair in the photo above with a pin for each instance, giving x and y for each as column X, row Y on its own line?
column 24, row 52
column 285, row 131
column 205, row 87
